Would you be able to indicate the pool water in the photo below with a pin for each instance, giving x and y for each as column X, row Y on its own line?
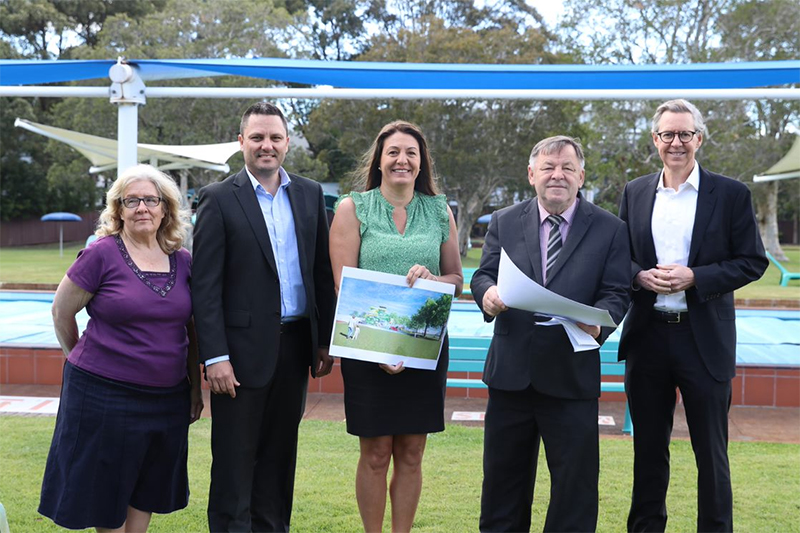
column 764, row 337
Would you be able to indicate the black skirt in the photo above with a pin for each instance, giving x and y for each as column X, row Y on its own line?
column 408, row 403
column 115, row 444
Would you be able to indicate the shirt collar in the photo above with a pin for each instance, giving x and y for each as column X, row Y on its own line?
column 567, row 215
column 693, row 180
column 285, row 179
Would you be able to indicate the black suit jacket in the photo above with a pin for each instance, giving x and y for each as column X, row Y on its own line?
column 235, row 287
column 592, row 268
column 726, row 253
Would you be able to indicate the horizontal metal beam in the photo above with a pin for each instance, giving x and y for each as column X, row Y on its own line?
column 32, row 91
column 775, row 177
column 414, row 94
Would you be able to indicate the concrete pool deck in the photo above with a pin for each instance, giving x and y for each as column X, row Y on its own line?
column 747, row 424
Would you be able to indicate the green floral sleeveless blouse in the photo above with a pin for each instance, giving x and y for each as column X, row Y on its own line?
column 385, row 249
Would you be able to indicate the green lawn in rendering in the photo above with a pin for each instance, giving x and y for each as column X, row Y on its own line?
column 379, row 340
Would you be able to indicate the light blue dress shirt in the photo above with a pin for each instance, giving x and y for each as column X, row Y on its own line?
column 277, row 211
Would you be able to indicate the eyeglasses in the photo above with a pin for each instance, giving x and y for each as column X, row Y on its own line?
column 133, row 203
column 669, row 136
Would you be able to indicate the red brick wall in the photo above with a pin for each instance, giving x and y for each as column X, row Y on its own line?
column 755, row 386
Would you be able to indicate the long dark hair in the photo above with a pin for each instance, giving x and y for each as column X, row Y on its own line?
column 368, row 175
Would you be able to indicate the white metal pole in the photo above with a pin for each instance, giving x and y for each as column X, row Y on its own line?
column 127, row 91
column 127, row 136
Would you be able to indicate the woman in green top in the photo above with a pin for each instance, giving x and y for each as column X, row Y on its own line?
column 399, row 225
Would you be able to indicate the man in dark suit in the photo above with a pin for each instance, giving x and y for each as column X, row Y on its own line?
column 263, row 300
column 694, row 240
column 539, row 387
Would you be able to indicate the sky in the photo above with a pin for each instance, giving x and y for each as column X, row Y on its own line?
column 360, row 295
column 549, row 9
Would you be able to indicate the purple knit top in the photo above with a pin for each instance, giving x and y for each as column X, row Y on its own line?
column 137, row 326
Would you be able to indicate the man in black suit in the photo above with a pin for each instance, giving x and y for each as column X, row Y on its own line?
column 694, row 240
column 263, row 300
column 539, row 387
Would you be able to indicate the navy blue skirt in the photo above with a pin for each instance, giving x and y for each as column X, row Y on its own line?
column 408, row 403
column 115, row 445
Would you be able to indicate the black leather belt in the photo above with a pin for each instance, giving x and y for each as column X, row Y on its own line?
column 670, row 317
column 295, row 326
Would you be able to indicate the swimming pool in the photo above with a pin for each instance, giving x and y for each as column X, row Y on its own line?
column 769, row 337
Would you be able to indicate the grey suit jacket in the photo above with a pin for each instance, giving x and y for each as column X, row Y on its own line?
column 235, row 286
column 592, row 268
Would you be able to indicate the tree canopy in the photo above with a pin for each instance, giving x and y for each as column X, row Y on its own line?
column 480, row 147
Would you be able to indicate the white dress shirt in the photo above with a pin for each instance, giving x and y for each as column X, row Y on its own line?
column 672, row 224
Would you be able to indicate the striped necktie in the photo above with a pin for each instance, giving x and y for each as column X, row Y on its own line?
column 553, row 244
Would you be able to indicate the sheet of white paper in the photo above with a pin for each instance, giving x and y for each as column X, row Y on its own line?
column 520, row 292
column 581, row 341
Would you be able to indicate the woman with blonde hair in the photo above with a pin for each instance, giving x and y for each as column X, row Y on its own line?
column 401, row 225
column 131, row 383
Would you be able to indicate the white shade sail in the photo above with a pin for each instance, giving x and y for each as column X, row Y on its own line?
column 787, row 167
column 102, row 152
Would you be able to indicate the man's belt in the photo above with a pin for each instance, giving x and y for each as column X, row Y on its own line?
column 669, row 317
column 294, row 326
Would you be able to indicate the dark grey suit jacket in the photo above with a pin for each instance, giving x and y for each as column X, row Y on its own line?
column 726, row 253
column 235, row 287
column 592, row 268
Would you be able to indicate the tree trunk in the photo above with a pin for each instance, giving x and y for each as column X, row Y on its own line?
column 469, row 209
column 767, row 216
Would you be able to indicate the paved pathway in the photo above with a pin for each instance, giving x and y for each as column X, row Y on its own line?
column 768, row 424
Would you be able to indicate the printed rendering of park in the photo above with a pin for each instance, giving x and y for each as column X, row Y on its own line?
column 390, row 319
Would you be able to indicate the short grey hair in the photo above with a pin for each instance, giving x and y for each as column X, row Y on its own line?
column 554, row 145
column 679, row 106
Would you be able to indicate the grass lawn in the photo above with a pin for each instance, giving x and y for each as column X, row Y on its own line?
column 37, row 264
column 473, row 259
column 379, row 340
column 766, row 481
column 768, row 286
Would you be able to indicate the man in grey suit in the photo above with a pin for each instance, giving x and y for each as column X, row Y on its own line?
column 694, row 240
column 539, row 387
column 263, row 300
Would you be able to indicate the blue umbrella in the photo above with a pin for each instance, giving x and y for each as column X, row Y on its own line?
column 484, row 219
column 61, row 217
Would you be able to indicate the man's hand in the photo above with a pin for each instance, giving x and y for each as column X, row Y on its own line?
column 492, row 304
column 654, row 280
column 325, row 362
column 680, row 277
column 666, row 279
column 594, row 331
column 221, row 379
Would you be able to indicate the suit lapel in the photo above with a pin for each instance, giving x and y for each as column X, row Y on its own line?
column 645, row 218
column 529, row 220
column 706, row 201
column 580, row 225
column 244, row 193
column 298, row 199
